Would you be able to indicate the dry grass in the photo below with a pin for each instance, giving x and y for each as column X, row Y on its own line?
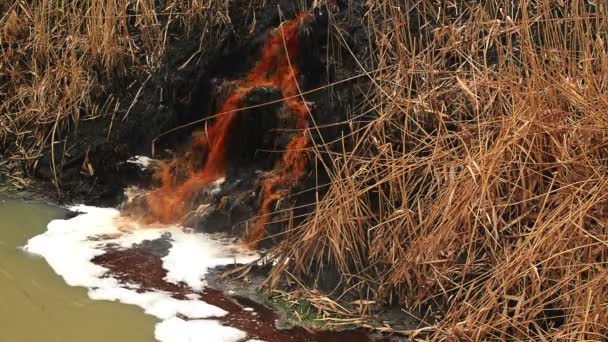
column 480, row 188
column 58, row 58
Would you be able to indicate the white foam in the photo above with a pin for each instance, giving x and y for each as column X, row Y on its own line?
column 157, row 303
column 69, row 246
column 178, row 330
column 206, row 252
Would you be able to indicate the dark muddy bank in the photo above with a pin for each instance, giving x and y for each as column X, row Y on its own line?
column 165, row 108
column 190, row 86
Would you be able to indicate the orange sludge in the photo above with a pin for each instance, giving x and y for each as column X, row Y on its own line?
column 180, row 179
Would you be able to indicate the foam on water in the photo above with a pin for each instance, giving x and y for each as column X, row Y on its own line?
column 178, row 330
column 69, row 246
column 189, row 248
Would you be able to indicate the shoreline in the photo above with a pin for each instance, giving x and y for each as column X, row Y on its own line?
column 286, row 315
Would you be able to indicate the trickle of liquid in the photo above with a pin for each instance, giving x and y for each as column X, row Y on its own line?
column 182, row 178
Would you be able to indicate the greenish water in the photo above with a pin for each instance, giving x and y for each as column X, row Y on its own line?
column 36, row 305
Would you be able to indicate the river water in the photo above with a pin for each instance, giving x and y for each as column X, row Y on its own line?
column 37, row 305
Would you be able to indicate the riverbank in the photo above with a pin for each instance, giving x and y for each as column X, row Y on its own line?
column 142, row 267
column 452, row 162
column 276, row 316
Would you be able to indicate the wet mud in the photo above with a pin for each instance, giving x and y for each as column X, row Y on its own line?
column 142, row 265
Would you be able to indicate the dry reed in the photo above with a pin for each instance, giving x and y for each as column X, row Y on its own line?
column 59, row 59
column 480, row 189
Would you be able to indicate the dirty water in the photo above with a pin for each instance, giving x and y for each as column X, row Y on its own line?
column 37, row 305
column 141, row 267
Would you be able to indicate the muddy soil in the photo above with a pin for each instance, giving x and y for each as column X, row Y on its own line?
column 185, row 89
column 189, row 87
column 246, row 310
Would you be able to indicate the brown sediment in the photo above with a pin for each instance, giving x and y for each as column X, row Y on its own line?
column 136, row 266
column 181, row 178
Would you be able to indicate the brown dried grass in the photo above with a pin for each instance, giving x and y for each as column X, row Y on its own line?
column 57, row 59
column 480, row 188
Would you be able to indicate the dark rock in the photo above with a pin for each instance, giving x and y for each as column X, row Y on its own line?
column 70, row 214
column 158, row 247
column 214, row 221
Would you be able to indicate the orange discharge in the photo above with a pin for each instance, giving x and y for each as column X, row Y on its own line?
column 181, row 179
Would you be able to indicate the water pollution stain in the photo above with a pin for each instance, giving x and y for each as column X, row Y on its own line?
column 145, row 268
column 206, row 160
